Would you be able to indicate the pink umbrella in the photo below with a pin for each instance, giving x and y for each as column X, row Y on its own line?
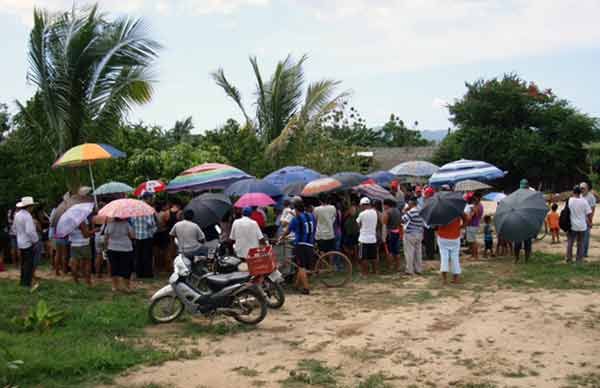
column 254, row 199
column 126, row 208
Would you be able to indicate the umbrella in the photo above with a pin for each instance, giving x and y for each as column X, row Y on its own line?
column 209, row 208
column 206, row 176
column 292, row 174
column 418, row 168
column 72, row 218
column 442, row 208
column 294, row 188
column 126, row 208
column 113, row 188
column 86, row 154
column 374, row 191
column 494, row 197
column 471, row 185
column 520, row 215
column 253, row 185
column 383, row 178
column 349, row 179
column 152, row 187
column 319, row 186
column 66, row 204
column 254, row 199
column 465, row 169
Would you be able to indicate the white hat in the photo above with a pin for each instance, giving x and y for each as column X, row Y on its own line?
column 26, row 201
column 84, row 190
column 365, row 201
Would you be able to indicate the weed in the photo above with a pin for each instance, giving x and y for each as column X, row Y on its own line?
column 377, row 380
column 244, row 371
column 311, row 372
column 591, row 380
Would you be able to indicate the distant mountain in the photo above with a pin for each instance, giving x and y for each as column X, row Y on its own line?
column 436, row 135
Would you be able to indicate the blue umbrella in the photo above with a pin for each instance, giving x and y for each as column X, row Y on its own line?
column 463, row 169
column 494, row 197
column 383, row 178
column 417, row 168
column 246, row 186
column 291, row 174
column 113, row 188
column 349, row 179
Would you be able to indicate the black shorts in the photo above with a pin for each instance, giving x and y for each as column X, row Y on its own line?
column 121, row 263
column 368, row 251
column 304, row 255
column 326, row 245
column 489, row 244
column 161, row 240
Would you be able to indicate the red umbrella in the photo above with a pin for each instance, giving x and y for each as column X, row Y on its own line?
column 151, row 187
column 254, row 199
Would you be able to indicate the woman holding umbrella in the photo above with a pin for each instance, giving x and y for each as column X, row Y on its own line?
column 118, row 236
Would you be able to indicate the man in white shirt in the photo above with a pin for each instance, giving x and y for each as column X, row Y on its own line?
column 325, row 215
column 245, row 234
column 581, row 218
column 367, row 237
column 27, row 237
column 591, row 200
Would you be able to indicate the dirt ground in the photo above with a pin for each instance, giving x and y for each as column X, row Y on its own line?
column 404, row 333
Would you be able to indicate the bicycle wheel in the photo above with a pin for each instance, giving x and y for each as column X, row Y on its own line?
column 333, row 269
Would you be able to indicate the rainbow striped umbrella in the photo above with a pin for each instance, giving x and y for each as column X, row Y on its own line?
column 206, row 176
column 126, row 208
column 323, row 185
column 84, row 154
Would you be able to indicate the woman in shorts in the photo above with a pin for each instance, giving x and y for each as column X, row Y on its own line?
column 118, row 235
column 81, row 253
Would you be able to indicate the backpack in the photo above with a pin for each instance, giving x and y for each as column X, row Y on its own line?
column 564, row 220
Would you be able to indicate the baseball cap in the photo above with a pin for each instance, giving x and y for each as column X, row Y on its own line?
column 365, row 201
column 247, row 211
column 428, row 192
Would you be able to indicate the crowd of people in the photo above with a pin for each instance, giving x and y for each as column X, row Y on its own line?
column 368, row 231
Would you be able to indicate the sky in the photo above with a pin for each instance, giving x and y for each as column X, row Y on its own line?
column 408, row 57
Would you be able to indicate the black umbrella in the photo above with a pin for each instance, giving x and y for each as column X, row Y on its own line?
column 294, row 188
column 209, row 208
column 350, row 179
column 520, row 215
column 443, row 208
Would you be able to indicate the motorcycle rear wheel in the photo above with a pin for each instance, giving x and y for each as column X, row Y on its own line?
column 165, row 309
column 251, row 305
column 274, row 294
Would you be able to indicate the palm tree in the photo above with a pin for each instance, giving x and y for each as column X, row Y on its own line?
column 281, row 109
column 89, row 72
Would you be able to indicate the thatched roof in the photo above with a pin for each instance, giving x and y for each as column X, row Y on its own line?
column 388, row 157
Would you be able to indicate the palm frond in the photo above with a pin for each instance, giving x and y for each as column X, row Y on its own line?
column 230, row 90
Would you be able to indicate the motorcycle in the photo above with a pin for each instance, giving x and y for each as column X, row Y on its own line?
column 231, row 294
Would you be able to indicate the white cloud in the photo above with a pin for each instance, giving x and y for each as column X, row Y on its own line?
column 439, row 103
column 411, row 34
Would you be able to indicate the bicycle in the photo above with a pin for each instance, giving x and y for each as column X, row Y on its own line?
column 332, row 269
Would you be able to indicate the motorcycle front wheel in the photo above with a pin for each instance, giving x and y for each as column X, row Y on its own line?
column 165, row 309
column 274, row 294
column 250, row 306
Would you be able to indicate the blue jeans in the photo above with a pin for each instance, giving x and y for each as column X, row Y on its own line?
column 586, row 241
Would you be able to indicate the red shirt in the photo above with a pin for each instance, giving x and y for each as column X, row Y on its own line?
column 450, row 231
column 259, row 218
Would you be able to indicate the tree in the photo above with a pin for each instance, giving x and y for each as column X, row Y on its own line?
column 4, row 121
column 280, row 107
column 521, row 128
column 181, row 131
column 395, row 134
column 89, row 71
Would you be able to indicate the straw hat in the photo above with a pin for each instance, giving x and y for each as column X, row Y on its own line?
column 26, row 202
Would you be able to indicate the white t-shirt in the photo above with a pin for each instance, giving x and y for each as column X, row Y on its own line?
column 367, row 219
column 325, row 215
column 246, row 234
column 580, row 209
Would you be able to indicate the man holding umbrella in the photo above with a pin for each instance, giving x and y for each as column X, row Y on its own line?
column 581, row 219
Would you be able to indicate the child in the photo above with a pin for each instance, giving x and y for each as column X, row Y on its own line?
column 552, row 222
column 488, row 239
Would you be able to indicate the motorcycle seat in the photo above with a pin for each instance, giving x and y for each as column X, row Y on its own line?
column 224, row 280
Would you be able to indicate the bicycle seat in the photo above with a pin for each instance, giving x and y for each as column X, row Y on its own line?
column 224, row 280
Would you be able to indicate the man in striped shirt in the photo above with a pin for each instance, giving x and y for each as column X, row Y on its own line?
column 413, row 237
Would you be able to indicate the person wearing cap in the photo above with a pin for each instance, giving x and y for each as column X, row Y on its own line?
column 245, row 234
column 27, row 238
column 144, row 228
column 413, row 237
column 581, row 218
column 303, row 226
column 367, row 238
column 591, row 200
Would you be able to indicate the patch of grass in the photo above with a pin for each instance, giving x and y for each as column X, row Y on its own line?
column 517, row 374
column 102, row 334
column 377, row 380
column 591, row 380
column 276, row 368
column 245, row 371
column 312, row 373
column 365, row 354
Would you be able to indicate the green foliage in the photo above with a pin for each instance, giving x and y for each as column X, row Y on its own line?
column 103, row 335
column 516, row 126
column 40, row 318
column 313, row 373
